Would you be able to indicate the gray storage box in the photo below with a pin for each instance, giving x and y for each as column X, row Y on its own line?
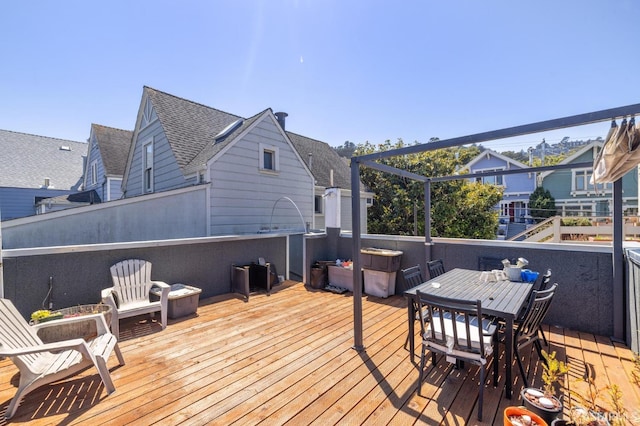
column 383, row 260
column 183, row 300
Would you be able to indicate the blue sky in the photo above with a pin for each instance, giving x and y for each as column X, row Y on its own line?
column 362, row 70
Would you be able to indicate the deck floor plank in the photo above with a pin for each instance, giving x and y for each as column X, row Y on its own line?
column 287, row 358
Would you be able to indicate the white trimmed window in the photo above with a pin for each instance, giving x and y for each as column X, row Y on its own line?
column 581, row 182
column 493, row 180
column 318, row 201
column 147, row 166
column 269, row 158
column 94, row 172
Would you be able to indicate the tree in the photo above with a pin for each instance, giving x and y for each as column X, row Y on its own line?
column 541, row 204
column 460, row 209
column 346, row 150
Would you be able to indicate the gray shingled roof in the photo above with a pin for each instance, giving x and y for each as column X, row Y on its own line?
column 189, row 126
column 191, row 129
column 26, row 160
column 212, row 148
column 323, row 160
column 114, row 147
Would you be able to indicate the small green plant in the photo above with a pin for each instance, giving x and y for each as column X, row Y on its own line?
column 553, row 372
column 44, row 315
column 588, row 412
column 615, row 400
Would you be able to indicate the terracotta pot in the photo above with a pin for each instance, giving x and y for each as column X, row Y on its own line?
column 519, row 411
column 547, row 414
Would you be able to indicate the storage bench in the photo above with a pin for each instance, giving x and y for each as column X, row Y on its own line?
column 183, row 300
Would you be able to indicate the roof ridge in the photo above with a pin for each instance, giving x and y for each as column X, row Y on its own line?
column 307, row 137
column 40, row 136
column 192, row 102
column 109, row 127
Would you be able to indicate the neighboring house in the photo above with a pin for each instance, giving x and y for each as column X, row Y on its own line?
column 256, row 176
column 36, row 168
column 106, row 159
column 330, row 170
column 517, row 187
column 575, row 196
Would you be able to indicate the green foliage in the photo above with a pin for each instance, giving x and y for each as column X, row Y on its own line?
column 346, row 150
column 553, row 371
column 549, row 160
column 520, row 156
column 576, row 221
column 542, row 204
column 459, row 209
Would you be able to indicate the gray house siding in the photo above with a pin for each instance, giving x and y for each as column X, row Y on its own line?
column 94, row 155
column 243, row 197
column 166, row 173
column 166, row 215
column 20, row 202
column 115, row 189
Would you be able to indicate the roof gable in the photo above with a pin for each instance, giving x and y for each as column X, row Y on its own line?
column 27, row 160
column 508, row 161
column 114, row 147
column 189, row 126
column 576, row 155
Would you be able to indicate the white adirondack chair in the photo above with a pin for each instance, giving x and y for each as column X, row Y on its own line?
column 130, row 294
column 42, row 363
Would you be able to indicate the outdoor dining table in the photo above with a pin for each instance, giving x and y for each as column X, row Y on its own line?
column 502, row 299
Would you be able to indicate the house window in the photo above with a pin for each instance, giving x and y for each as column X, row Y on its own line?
column 318, row 204
column 490, row 180
column 148, row 167
column 269, row 160
column 94, row 172
column 581, row 182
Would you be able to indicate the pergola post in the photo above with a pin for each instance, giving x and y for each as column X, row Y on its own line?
column 357, row 274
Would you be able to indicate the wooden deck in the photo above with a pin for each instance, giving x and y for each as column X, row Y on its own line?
column 287, row 359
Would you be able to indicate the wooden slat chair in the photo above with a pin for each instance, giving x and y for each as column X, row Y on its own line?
column 457, row 329
column 43, row 363
column 130, row 294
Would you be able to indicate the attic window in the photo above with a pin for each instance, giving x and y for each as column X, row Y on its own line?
column 230, row 128
column 65, row 148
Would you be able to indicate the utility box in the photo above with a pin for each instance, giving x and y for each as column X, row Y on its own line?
column 183, row 300
column 380, row 259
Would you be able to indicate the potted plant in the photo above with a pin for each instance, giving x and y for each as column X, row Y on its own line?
column 543, row 402
column 520, row 416
column 589, row 413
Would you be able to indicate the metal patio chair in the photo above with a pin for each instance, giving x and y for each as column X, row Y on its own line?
column 411, row 277
column 457, row 330
column 435, row 268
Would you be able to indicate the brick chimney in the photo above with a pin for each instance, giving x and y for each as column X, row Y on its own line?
column 281, row 117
